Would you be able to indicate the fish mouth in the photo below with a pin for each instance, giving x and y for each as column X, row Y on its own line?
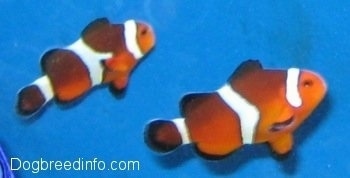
column 278, row 126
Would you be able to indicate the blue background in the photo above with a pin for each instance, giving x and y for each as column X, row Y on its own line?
column 198, row 46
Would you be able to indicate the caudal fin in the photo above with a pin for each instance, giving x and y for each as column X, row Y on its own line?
column 165, row 136
column 34, row 96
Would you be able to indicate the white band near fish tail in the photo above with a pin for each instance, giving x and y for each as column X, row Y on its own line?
column 248, row 113
column 91, row 59
column 292, row 92
column 44, row 84
column 130, row 34
column 182, row 128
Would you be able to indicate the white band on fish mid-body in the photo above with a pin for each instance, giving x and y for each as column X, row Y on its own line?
column 91, row 59
column 292, row 92
column 130, row 34
column 247, row 113
column 44, row 84
column 182, row 128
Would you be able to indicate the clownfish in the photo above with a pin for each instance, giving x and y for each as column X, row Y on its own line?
column 5, row 170
column 105, row 53
column 256, row 105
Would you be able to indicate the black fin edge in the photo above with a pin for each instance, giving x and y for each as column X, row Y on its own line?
column 210, row 157
column 246, row 67
column 95, row 24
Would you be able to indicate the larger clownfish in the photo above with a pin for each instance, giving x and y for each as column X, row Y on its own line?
column 105, row 53
column 256, row 105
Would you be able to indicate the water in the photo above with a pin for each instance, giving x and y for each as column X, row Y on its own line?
column 198, row 46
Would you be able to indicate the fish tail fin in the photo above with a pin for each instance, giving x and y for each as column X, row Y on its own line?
column 165, row 136
column 33, row 97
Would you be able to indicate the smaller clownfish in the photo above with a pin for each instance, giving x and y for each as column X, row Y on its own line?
column 105, row 53
column 256, row 105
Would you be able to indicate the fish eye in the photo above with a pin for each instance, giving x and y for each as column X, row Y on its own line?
column 308, row 83
column 144, row 31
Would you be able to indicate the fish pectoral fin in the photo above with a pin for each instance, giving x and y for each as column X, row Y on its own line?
column 278, row 126
column 283, row 144
column 120, row 66
column 123, row 62
column 121, row 82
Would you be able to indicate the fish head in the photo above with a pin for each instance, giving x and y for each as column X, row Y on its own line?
column 312, row 89
column 145, row 37
column 282, row 114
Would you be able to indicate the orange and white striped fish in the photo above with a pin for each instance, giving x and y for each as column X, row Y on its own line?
column 105, row 53
column 256, row 105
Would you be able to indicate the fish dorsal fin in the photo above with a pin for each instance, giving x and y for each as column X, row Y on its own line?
column 245, row 68
column 94, row 25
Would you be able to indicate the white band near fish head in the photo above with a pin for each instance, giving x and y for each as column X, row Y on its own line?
column 248, row 113
column 130, row 34
column 292, row 91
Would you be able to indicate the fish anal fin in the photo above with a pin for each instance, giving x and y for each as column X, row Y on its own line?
column 283, row 144
column 245, row 68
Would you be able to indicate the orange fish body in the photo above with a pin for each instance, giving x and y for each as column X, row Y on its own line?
column 255, row 106
column 105, row 53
